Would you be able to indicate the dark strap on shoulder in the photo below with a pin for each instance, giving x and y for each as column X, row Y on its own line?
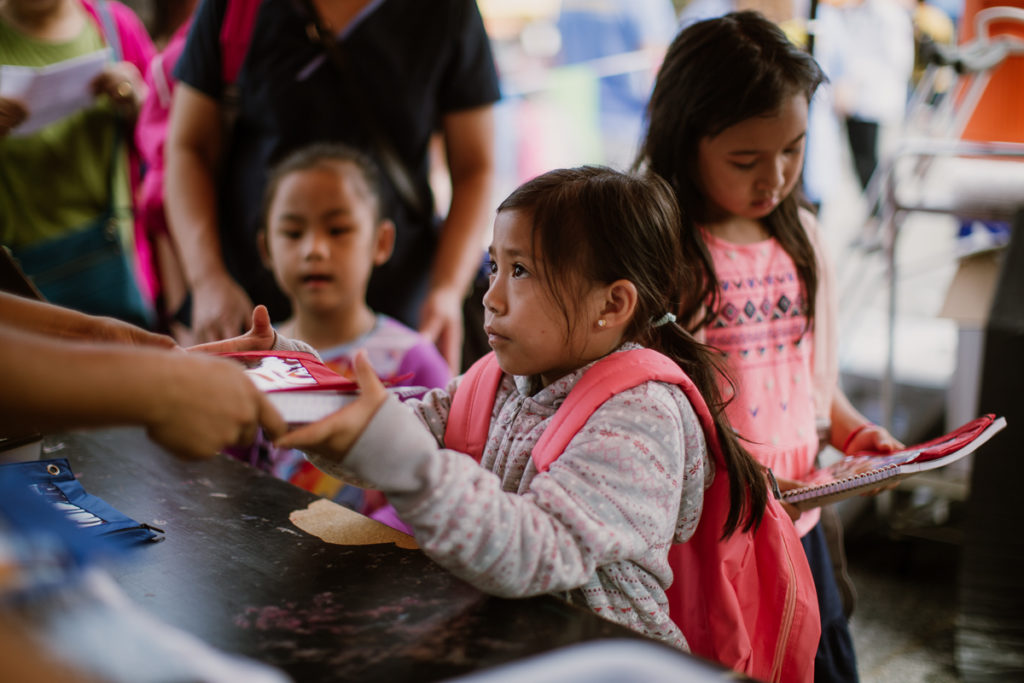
column 611, row 375
column 470, row 413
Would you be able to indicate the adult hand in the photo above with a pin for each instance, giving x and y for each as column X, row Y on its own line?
column 333, row 436
column 119, row 332
column 12, row 114
column 123, row 84
column 441, row 323
column 259, row 337
column 220, row 309
column 208, row 404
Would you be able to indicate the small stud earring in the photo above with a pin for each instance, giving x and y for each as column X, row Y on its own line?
column 602, row 322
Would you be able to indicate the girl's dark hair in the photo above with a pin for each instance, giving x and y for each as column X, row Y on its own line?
column 717, row 73
column 325, row 155
column 596, row 225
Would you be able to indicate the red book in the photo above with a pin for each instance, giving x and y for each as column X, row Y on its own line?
column 300, row 385
column 857, row 473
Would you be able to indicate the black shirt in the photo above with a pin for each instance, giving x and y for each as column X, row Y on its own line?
column 412, row 62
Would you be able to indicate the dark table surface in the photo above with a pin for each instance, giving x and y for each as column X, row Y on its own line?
column 234, row 571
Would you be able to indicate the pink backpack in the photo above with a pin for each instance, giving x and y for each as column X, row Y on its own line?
column 748, row 601
column 154, row 115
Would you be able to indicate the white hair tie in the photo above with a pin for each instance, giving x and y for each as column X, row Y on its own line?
column 667, row 318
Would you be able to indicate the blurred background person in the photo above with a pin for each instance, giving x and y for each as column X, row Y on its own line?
column 866, row 48
column 65, row 187
column 629, row 37
column 413, row 69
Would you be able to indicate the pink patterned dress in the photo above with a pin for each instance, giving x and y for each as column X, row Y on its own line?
column 760, row 326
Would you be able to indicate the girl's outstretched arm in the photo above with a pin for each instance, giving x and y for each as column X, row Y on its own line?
column 333, row 436
column 829, row 397
column 613, row 497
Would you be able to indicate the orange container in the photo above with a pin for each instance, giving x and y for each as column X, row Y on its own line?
column 999, row 114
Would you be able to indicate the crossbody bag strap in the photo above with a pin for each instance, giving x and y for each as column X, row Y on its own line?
column 389, row 159
column 108, row 27
column 607, row 377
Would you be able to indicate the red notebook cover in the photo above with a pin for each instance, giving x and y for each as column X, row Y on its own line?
column 291, row 371
column 945, row 444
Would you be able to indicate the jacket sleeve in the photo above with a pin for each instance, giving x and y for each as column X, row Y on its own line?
column 613, row 496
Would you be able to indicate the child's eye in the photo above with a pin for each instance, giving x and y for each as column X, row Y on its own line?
column 492, row 267
column 518, row 270
column 291, row 234
column 338, row 230
column 748, row 166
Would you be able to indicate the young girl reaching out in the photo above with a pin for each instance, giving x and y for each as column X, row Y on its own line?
column 727, row 128
column 584, row 263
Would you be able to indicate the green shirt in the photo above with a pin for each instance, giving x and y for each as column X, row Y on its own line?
column 58, row 179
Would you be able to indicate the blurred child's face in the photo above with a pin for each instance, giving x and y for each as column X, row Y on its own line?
column 524, row 326
column 323, row 239
column 750, row 167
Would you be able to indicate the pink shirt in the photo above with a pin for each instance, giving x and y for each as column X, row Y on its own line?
column 761, row 328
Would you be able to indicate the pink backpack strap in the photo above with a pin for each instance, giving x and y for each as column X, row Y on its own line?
column 235, row 36
column 469, row 418
column 611, row 375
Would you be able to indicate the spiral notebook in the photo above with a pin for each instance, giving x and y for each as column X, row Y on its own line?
column 854, row 474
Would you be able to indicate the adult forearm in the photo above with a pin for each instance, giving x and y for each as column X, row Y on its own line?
column 192, row 214
column 41, row 318
column 54, row 384
column 194, row 405
column 193, row 155
column 461, row 243
column 469, row 144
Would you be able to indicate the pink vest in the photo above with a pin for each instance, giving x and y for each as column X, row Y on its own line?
column 747, row 601
column 154, row 117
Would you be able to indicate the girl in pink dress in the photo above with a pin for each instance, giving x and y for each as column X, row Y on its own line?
column 728, row 122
